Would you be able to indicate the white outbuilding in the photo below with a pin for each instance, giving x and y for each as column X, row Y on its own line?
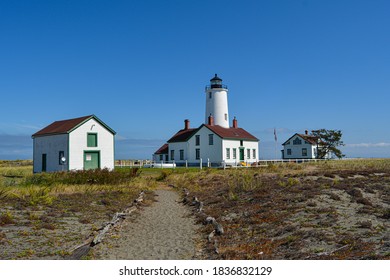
column 302, row 146
column 75, row 144
column 214, row 143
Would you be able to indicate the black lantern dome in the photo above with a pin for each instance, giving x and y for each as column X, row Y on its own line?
column 216, row 82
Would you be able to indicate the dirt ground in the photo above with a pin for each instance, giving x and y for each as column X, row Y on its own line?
column 293, row 212
column 303, row 214
column 165, row 230
column 54, row 231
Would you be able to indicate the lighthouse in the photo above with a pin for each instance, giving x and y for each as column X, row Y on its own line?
column 213, row 143
column 217, row 102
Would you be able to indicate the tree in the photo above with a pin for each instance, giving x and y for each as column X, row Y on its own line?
column 328, row 141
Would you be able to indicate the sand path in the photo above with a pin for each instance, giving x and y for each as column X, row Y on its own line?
column 163, row 231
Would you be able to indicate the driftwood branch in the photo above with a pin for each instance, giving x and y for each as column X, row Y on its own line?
column 199, row 205
column 83, row 249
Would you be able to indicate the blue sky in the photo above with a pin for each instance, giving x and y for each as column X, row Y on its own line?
column 141, row 67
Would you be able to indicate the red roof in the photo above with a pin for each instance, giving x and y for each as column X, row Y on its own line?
column 182, row 135
column 228, row 133
column 163, row 150
column 66, row 126
column 309, row 138
column 231, row 132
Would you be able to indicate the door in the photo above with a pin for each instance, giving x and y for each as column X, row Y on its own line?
column 91, row 160
column 44, row 162
column 242, row 153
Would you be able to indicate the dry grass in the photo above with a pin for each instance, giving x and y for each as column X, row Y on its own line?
column 330, row 210
column 44, row 216
column 327, row 210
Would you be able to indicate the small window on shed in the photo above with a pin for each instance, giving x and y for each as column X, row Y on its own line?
column 92, row 140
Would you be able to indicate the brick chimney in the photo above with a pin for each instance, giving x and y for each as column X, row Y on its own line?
column 211, row 120
column 235, row 125
column 186, row 124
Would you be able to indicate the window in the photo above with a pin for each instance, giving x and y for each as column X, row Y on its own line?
column 197, row 153
column 289, row 152
column 227, row 153
column 197, row 140
column 61, row 155
column 225, row 117
column 304, row 152
column 181, row 154
column 241, row 143
column 172, row 154
column 211, row 139
column 210, row 95
column 297, row 141
column 248, row 153
column 234, row 153
column 161, row 157
column 254, row 153
column 92, row 140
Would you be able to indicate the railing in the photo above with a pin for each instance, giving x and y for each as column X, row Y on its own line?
column 201, row 163
column 215, row 86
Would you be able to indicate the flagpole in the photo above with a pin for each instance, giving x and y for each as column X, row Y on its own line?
column 276, row 143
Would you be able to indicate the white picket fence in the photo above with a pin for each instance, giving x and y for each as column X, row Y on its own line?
column 206, row 163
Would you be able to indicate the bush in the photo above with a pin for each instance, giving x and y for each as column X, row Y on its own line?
column 6, row 218
column 82, row 177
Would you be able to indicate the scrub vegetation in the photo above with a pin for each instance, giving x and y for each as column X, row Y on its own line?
column 327, row 210
column 48, row 214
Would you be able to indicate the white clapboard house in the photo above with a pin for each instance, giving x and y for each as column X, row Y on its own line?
column 75, row 144
column 215, row 142
column 301, row 146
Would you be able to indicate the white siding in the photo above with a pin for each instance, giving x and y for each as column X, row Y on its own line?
column 51, row 146
column 296, row 150
column 235, row 144
column 78, row 145
column 177, row 146
column 216, row 153
column 212, row 153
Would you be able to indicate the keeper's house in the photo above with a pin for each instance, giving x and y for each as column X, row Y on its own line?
column 302, row 146
column 75, row 144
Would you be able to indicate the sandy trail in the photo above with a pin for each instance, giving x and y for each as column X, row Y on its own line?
column 163, row 231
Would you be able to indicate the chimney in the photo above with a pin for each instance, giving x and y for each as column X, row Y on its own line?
column 211, row 120
column 235, row 125
column 306, row 132
column 186, row 124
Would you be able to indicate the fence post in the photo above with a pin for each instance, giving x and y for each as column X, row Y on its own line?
column 186, row 163
column 200, row 165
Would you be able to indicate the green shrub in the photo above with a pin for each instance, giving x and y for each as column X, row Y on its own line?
column 164, row 174
column 6, row 218
column 82, row 177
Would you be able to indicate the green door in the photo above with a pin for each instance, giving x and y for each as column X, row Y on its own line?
column 91, row 160
column 242, row 153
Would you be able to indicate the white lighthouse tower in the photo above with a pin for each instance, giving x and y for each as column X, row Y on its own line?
column 217, row 102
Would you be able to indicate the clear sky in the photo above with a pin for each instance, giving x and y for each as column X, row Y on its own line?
column 141, row 67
